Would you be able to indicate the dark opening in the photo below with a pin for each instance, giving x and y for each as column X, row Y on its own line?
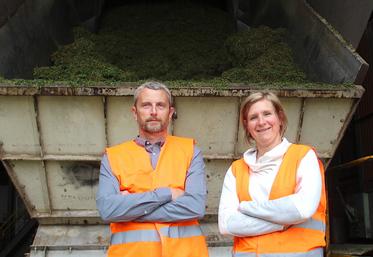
column 350, row 190
column 17, row 229
column 221, row 4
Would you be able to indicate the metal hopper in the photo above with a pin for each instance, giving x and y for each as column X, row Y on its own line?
column 52, row 137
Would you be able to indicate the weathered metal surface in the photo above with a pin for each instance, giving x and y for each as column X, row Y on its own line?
column 52, row 137
column 215, row 172
column 32, row 182
column 220, row 251
column 212, row 121
column 336, row 11
column 323, row 119
column 316, row 47
column 53, row 152
column 72, row 125
column 93, row 240
column 71, row 217
column 70, row 252
column 127, row 89
column 48, row 157
column 351, row 249
column 64, row 237
column 120, row 123
column 18, row 125
column 74, row 185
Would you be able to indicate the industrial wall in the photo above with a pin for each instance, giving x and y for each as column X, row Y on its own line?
column 353, row 185
column 31, row 30
column 349, row 17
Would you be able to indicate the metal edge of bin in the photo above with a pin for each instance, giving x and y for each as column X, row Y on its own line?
column 126, row 89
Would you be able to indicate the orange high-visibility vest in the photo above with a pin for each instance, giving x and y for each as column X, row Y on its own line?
column 131, row 165
column 297, row 239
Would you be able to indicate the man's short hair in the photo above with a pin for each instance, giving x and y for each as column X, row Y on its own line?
column 154, row 86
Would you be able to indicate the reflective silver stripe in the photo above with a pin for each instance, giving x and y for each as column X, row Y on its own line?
column 241, row 254
column 135, row 236
column 318, row 252
column 311, row 224
column 181, row 231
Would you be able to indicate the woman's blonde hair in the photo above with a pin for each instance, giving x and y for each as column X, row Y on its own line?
column 256, row 97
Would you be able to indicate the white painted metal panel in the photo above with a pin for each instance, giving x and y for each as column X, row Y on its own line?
column 121, row 125
column 292, row 108
column 323, row 121
column 72, row 125
column 212, row 121
column 72, row 235
column 242, row 144
column 19, row 133
column 93, row 240
column 223, row 251
column 31, row 180
column 215, row 173
column 68, row 253
column 73, row 185
column 72, row 129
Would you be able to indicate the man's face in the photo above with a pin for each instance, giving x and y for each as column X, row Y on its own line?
column 152, row 111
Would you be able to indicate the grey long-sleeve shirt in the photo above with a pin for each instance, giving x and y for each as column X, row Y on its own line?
column 156, row 205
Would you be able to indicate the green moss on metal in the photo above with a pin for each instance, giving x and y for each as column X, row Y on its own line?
column 181, row 43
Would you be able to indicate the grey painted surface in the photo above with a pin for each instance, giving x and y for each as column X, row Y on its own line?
column 52, row 145
column 349, row 17
column 93, row 240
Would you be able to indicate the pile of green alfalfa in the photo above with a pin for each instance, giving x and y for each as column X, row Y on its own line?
column 173, row 42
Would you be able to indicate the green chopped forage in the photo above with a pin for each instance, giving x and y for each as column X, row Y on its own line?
column 182, row 43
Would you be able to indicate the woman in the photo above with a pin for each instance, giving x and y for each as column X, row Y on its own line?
column 273, row 199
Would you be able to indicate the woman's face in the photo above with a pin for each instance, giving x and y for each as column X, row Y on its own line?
column 264, row 125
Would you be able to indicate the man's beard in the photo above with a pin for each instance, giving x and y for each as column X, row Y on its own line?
column 151, row 128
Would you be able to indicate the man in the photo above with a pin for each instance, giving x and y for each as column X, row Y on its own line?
column 152, row 189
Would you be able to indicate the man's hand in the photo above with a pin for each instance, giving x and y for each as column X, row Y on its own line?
column 125, row 192
column 176, row 192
